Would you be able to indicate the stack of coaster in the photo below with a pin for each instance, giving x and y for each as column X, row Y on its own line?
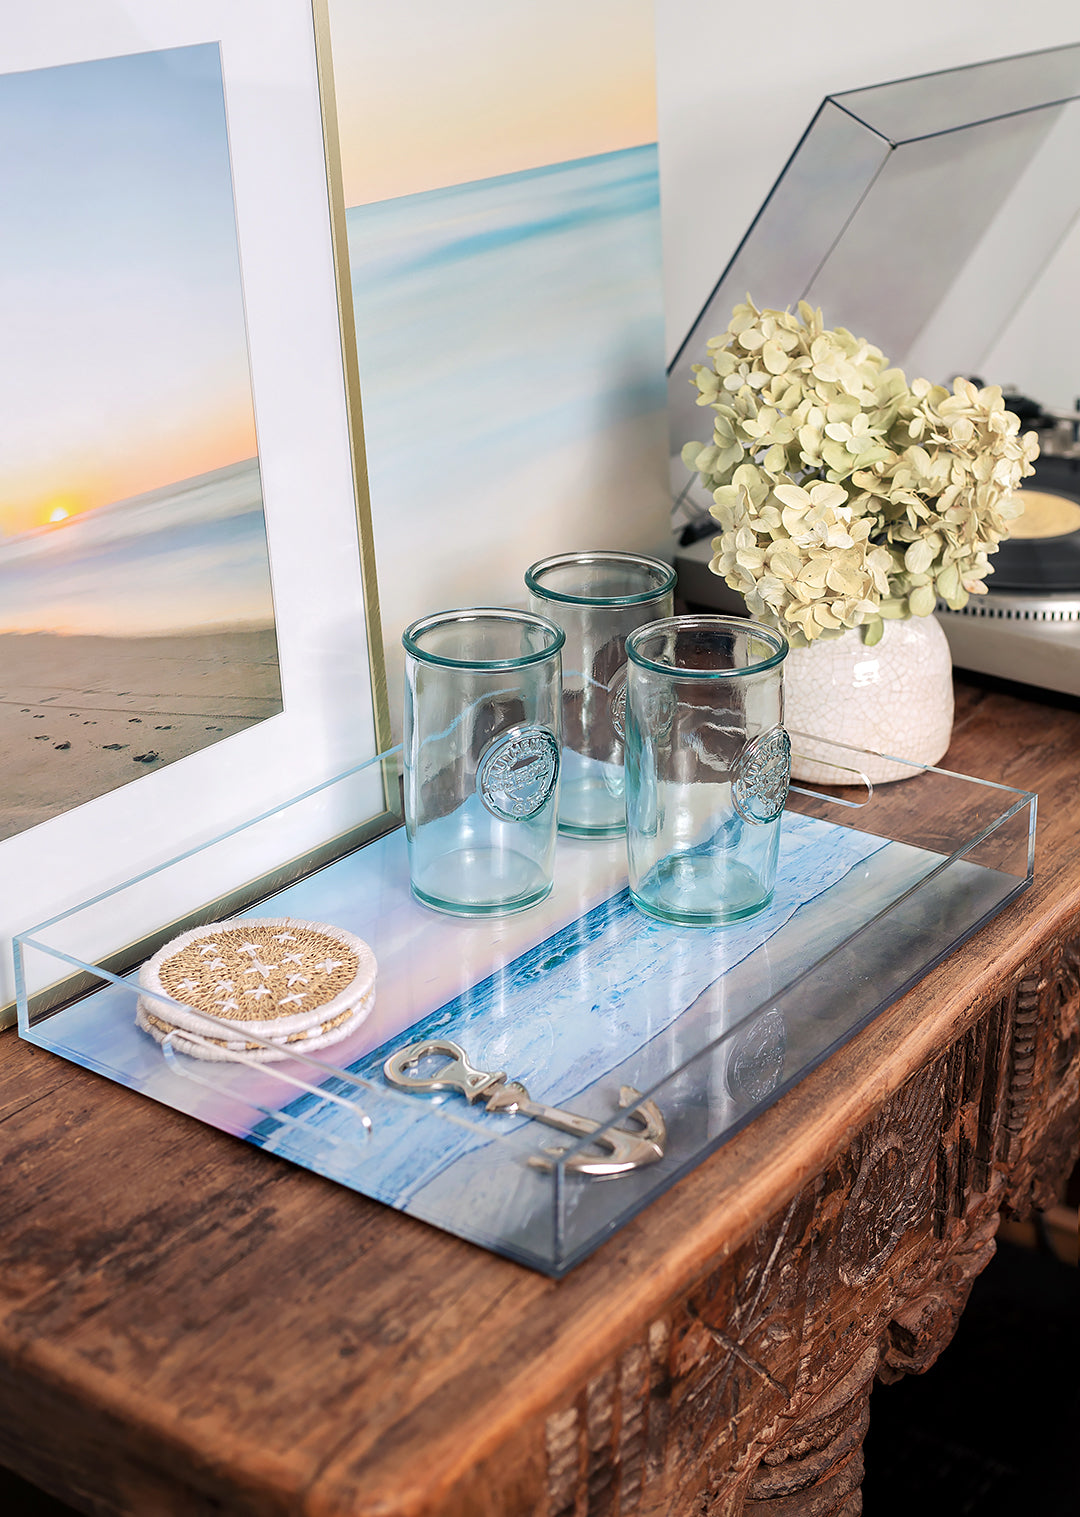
column 301, row 985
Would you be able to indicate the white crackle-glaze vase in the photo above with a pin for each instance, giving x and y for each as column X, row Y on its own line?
column 894, row 698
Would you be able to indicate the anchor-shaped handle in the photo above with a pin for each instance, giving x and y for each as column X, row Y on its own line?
column 622, row 1150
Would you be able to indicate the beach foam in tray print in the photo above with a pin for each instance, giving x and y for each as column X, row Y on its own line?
column 136, row 612
column 500, row 173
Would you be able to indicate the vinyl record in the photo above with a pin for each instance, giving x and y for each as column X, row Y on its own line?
column 1043, row 552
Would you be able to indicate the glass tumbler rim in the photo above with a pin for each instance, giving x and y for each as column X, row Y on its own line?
column 594, row 556
column 774, row 638
column 415, row 630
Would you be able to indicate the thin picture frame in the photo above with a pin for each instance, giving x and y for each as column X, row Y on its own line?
column 290, row 230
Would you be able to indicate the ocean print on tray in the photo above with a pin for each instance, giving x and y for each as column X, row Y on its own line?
column 575, row 998
column 136, row 614
column 500, row 175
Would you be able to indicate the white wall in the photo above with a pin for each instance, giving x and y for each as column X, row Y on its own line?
column 739, row 84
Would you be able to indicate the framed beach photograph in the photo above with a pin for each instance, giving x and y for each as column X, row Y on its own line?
column 189, row 629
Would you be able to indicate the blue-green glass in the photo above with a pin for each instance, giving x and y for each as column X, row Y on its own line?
column 481, row 757
column 707, row 767
column 597, row 597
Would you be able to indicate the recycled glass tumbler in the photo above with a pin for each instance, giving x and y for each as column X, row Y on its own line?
column 481, row 740
column 596, row 598
column 707, row 767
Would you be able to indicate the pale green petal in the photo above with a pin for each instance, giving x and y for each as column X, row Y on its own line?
column 921, row 600
column 919, row 556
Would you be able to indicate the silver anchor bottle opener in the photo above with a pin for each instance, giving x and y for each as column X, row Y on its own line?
column 623, row 1150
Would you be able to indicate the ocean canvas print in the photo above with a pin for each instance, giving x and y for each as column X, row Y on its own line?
column 136, row 611
column 500, row 175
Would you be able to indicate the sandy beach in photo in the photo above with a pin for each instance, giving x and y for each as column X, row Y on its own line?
column 80, row 716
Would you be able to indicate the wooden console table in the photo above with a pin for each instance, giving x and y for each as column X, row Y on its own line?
column 189, row 1326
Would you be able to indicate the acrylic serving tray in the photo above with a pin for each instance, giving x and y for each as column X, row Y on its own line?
column 575, row 998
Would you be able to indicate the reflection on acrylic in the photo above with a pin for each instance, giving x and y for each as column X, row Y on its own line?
column 136, row 618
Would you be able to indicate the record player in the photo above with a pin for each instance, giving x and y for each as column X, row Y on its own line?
column 938, row 217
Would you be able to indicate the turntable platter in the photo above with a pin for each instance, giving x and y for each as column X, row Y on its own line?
column 1042, row 551
column 1045, row 515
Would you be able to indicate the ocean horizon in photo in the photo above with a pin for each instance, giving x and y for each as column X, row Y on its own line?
column 186, row 557
column 131, row 636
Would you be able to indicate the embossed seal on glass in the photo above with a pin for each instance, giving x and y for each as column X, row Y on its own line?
column 617, row 701
column 657, row 713
column 517, row 772
column 760, row 784
column 756, row 1062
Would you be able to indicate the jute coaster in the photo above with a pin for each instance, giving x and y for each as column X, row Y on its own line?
column 300, row 985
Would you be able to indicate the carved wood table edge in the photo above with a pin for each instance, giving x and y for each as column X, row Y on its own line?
column 715, row 1357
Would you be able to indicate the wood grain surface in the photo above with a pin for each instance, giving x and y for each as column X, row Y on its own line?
column 189, row 1325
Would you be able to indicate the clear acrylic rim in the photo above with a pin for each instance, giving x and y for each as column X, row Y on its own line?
column 28, row 933
column 597, row 556
column 729, row 623
column 481, row 613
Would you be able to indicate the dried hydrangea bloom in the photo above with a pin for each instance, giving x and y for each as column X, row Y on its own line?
column 845, row 496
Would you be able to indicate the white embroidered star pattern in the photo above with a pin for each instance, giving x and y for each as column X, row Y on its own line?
column 295, row 973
